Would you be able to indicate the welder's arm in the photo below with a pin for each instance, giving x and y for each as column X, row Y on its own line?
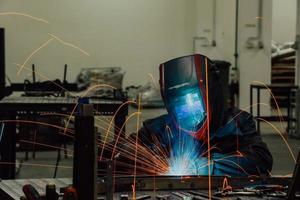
column 244, row 155
column 152, row 134
column 237, row 165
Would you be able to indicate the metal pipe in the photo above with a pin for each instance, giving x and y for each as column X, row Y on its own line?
column 296, row 132
column 65, row 73
column 234, row 85
column 33, row 73
column 214, row 29
column 259, row 25
column 258, row 37
column 236, row 53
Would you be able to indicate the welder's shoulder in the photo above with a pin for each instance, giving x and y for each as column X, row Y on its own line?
column 243, row 119
column 156, row 125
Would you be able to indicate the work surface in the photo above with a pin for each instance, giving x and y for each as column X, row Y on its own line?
column 168, row 188
column 12, row 189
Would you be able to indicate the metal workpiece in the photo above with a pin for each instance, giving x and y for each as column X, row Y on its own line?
column 203, row 194
column 123, row 191
column 163, row 197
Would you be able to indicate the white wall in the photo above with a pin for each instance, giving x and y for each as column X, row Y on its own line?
column 254, row 64
column 284, row 20
column 137, row 35
column 225, row 28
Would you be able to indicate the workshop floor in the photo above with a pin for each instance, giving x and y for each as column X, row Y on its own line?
column 43, row 164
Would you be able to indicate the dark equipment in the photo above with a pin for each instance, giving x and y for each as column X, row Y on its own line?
column 2, row 64
column 45, row 88
column 294, row 187
column 223, row 67
column 11, row 107
column 51, row 192
column 85, row 154
column 173, row 187
column 70, row 194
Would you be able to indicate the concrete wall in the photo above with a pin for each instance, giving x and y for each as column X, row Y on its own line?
column 284, row 20
column 137, row 35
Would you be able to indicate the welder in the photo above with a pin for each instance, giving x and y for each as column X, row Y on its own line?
column 218, row 141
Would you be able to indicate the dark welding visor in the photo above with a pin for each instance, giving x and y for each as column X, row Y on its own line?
column 183, row 90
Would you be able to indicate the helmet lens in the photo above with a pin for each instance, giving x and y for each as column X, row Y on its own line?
column 189, row 110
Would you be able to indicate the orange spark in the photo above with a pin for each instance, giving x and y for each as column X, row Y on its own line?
column 120, row 131
column 69, row 44
column 33, row 53
column 96, row 86
column 136, row 147
column 226, row 186
column 24, row 15
column 283, row 138
column 153, row 80
column 110, row 125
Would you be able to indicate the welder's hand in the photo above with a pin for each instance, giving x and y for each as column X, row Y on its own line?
column 202, row 166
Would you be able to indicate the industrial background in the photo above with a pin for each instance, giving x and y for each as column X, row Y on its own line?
column 121, row 43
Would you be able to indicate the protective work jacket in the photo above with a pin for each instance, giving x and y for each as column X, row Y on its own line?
column 236, row 147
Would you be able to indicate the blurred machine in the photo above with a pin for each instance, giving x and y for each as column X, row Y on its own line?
column 105, row 81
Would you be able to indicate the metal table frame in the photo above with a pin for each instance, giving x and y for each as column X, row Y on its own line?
column 259, row 87
column 10, row 111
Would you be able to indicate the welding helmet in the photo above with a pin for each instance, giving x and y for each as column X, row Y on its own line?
column 192, row 93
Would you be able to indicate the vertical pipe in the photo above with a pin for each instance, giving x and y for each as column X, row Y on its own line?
column 65, row 73
column 2, row 63
column 258, row 110
column 294, row 185
column 234, row 85
column 251, row 99
column 33, row 73
column 214, row 29
column 8, row 148
column 259, row 25
column 85, row 154
column 297, row 78
column 236, row 35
